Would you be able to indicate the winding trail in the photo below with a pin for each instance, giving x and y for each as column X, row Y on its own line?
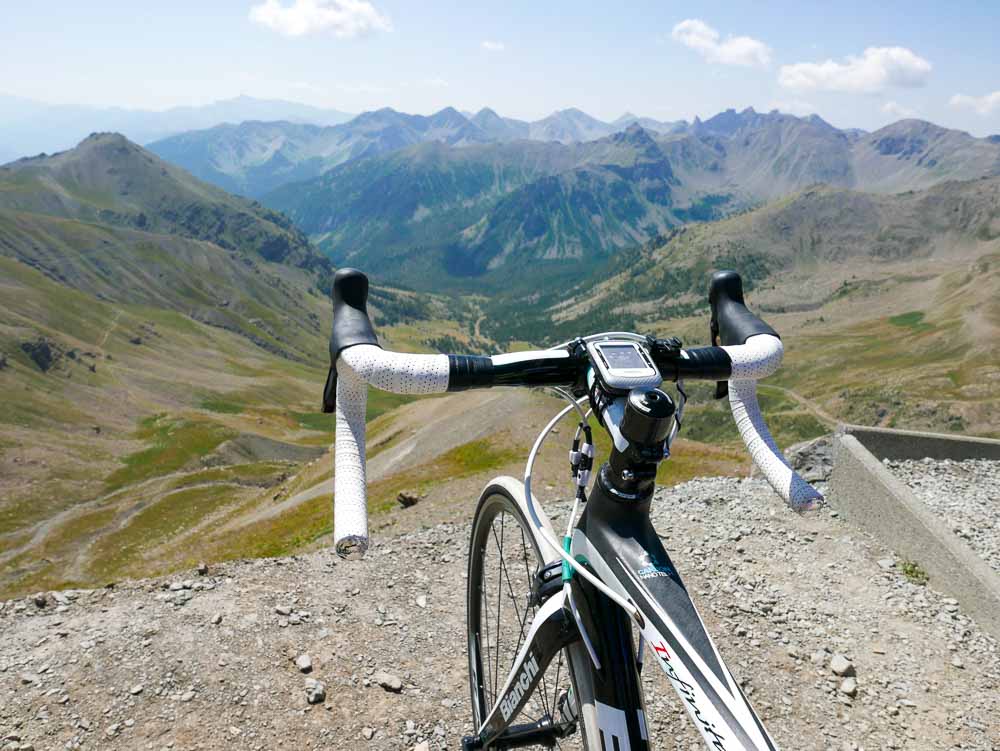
column 815, row 409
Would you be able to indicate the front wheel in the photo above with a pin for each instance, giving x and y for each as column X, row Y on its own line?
column 505, row 558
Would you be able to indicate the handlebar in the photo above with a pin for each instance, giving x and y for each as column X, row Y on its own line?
column 750, row 350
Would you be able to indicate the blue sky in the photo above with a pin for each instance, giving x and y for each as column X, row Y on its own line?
column 860, row 64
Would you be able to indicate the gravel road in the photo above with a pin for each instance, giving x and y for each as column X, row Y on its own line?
column 965, row 494
column 311, row 652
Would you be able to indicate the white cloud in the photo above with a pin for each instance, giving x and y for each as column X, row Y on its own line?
column 878, row 68
column 705, row 40
column 345, row 18
column 491, row 46
column 983, row 105
column 793, row 107
column 897, row 110
column 434, row 83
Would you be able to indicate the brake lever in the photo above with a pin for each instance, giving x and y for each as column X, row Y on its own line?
column 721, row 387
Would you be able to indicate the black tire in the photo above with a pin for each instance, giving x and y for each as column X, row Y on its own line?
column 504, row 556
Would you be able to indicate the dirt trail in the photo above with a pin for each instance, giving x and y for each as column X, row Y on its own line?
column 817, row 411
column 111, row 327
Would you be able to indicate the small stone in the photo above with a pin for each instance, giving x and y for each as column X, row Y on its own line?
column 389, row 682
column 315, row 692
column 841, row 666
column 304, row 663
column 136, row 689
column 187, row 696
column 886, row 563
column 283, row 610
column 29, row 678
column 849, row 687
column 421, row 601
column 40, row 600
column 956, row 662
column 423, row 746
column 367, row 733
column 217, row 619
column 408, row 498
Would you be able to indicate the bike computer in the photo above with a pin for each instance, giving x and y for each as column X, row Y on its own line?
column 621, row 365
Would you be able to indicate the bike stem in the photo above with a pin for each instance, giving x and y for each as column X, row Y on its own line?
column 629, row 475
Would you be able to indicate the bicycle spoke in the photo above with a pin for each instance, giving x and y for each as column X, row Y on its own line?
column 496, row 678
column 484, row 599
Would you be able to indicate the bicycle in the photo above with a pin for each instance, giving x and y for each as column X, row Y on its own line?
column 572, row 603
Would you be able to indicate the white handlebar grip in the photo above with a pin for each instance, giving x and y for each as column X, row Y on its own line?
column 358, row 366
column 350, row 489
column 798, row 493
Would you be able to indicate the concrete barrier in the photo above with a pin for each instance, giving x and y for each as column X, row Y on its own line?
column 870, row 497
column 900, row 445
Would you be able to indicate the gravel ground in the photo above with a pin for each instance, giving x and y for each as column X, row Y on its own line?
column 965, row 494
column 216, row 659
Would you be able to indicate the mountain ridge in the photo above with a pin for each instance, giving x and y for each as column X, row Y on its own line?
column 31, row 127
column 553, row 202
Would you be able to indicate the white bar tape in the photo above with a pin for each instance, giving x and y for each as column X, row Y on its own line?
column 357, row 367
column 350, row 487
column 758, row 358
column 765, row 453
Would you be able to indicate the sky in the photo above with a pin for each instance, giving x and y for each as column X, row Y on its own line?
column 856, row 64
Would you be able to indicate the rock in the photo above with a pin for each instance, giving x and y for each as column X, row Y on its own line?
column 956, row 662
column 886, row 563
column 389, row 682
column 813, row 459
column 40, row 600
column 407, row 498
column 315, row 691
column 42, row 352
column 841, row 666
column 367, row 733
column 423, row 746
column 136, row 689
column 849, row 687
column 304, row 663
column 29, row 679
column 283, row 610
column 217, row 619
column 421, row 601
column 187, row 696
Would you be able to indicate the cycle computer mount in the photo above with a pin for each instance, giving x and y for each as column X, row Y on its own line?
column 621, row 365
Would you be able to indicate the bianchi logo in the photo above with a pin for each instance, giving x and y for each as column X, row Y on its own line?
column 509, row 703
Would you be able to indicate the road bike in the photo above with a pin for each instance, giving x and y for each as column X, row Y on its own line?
column 552, row 650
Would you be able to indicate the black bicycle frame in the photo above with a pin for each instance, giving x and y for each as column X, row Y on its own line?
column 615, row 539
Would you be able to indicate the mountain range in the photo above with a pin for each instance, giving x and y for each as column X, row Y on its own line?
column 29, row 127
column 256, row 157
column 433, row 213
